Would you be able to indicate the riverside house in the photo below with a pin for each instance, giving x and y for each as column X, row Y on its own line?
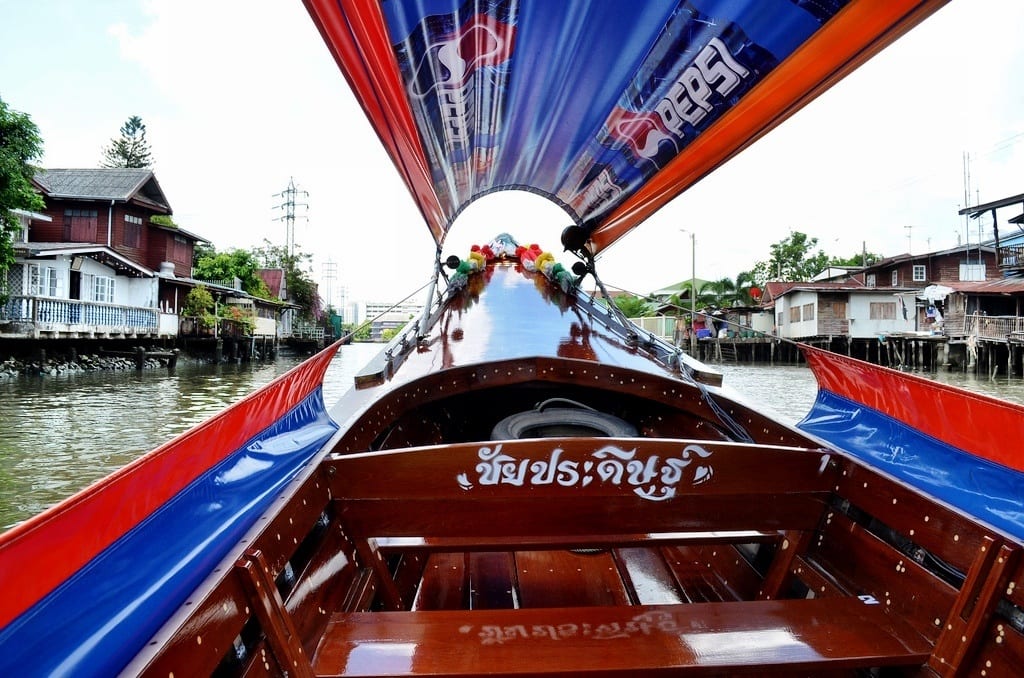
column 923, row 299
column 95, row 265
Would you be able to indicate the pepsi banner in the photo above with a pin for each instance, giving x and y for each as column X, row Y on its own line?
column 603, row 106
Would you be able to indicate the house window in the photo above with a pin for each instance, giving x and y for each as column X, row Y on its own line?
column 177, row 249
column 794, row 314
column 780, row 318
column 808, row 312
column 870, row 281
column 833, row 309
column 132, row 231
column 895, row 277
column 80, row 225
column 42, row 281
column 972, row 271
column 882, row 310
column 919, row 273
column 103, row 289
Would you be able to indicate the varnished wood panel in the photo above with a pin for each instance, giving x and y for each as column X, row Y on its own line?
column 951, row 536
column 864, row 564
column 751, row 638
column 491, row 581
column 647, row 576
column 443, row 586
column 566, row 579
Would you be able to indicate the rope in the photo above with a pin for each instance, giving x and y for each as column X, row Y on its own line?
column 370, row 321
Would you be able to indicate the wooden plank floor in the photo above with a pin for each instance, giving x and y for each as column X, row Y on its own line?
column 562, row 578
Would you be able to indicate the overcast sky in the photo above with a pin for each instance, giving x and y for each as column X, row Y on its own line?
column 240, row 97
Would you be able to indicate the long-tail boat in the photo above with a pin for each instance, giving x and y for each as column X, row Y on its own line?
column 524, row 483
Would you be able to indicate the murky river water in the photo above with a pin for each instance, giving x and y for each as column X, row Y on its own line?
column 59, row 434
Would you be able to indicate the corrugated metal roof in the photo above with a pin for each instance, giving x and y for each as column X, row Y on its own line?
column 1014, row 285
column 273, row 278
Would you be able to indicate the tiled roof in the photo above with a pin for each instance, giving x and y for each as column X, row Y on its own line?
column 122, row 184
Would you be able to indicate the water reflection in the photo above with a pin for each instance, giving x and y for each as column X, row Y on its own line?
column 59, row 434
column 62, row 433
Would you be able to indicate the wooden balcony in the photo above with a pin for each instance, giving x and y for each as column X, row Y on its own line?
column 994, row 327
column 1011, row 257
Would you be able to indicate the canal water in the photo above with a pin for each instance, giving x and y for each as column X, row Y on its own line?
column 59, row 434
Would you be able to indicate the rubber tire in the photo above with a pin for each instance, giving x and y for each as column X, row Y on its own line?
column 517, row 426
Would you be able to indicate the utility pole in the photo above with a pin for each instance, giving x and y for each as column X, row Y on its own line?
column 290, row 197
column 693, row 290
column 330, row 272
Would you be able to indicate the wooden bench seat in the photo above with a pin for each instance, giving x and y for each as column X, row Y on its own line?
column 575, row 493
column 739, row 637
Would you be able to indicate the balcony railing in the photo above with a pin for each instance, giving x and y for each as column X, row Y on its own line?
column 1011, row 257
column 998, row 327
column 71, row 315
column 190, row 326
column 305, row 331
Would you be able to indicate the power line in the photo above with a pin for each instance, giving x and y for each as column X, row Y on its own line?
column 290, row 196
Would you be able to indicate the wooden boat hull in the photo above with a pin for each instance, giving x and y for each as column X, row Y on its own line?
column 403, row 538
column 525, row 483
column 677, row 550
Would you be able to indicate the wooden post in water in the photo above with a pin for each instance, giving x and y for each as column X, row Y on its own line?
column 140, row 357
column 172, row 362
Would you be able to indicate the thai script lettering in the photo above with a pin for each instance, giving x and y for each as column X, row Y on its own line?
column 652, row 478
column 641, row 625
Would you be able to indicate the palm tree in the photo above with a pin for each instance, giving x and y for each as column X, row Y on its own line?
column 722, row 292
column 743, row 284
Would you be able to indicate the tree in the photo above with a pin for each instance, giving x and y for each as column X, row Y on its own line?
column 301, row 288
column 791, row 259
column 224, row 267
column 632, row 307
column 20, row 145
column 163, row 220
column 743, row 285
column 702, row 298
column 863, row 258
column 724, row 291
column 131, row 149
column 199, row 304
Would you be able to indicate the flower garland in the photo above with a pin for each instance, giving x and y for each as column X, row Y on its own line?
column 503, row 246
